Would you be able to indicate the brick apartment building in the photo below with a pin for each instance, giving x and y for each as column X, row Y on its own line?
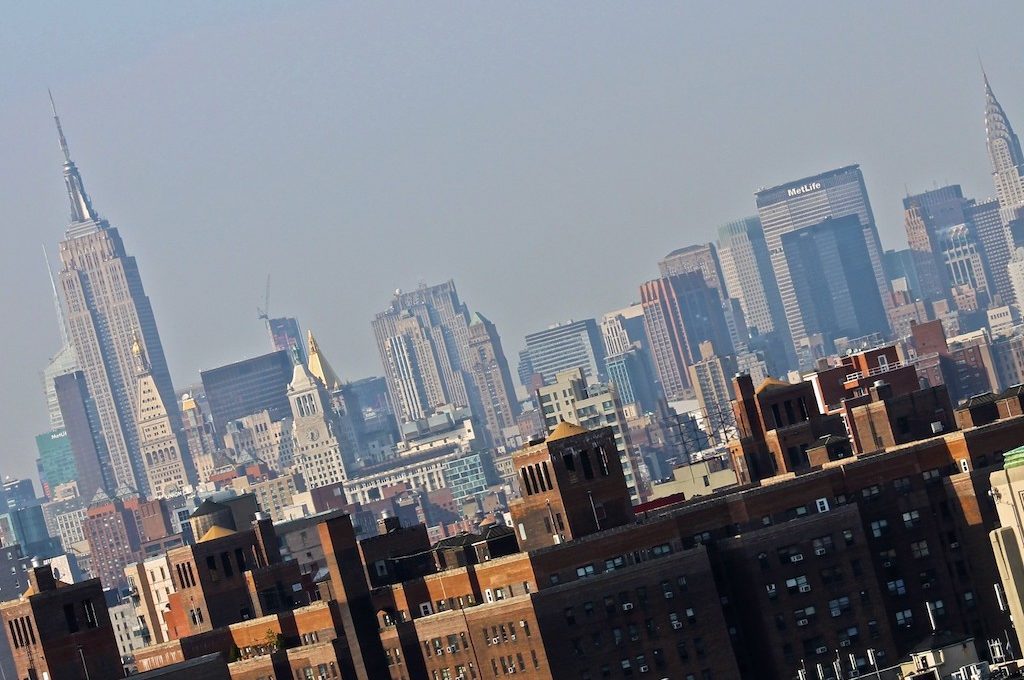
column 844, row 553
column 61, row 631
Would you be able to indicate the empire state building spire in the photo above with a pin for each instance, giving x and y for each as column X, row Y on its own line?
column 1004, row 151
column 81, row 206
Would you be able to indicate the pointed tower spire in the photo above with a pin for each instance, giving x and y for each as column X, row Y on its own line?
column 1004, row 151
column 81, row 206
column 984, row 76
column 319, row 366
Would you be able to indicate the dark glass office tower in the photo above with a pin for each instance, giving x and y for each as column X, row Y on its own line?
column 833, row 280
column 248, row 386
column 806, row 202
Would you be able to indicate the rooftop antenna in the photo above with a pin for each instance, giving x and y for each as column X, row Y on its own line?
column 56, row 301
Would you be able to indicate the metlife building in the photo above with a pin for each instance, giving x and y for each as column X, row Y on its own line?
column 806, row 202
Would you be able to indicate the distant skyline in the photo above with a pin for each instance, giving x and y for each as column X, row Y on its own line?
column 519, row 150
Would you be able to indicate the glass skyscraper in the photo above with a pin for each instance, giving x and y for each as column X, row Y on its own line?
column 806, row 202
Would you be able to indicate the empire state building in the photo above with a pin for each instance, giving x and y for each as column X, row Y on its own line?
column 107, row 312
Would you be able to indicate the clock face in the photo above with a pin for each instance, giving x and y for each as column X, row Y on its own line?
column 314, row 435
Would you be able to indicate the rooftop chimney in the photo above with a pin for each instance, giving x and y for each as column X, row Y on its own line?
column 40, row 576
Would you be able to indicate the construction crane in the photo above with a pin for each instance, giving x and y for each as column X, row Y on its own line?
column 263, row 313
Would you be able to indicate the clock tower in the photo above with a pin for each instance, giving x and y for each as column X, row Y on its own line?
column 315, row 429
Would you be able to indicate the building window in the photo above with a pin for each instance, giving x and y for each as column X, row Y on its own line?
column 897, row 587
column 585, row 570
column 798, row 584
column 905, row 618
column 919, row 549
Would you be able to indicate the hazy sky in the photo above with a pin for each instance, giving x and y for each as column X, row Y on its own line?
column 545, row 156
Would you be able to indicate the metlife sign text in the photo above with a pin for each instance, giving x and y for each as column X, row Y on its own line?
column 803, row 189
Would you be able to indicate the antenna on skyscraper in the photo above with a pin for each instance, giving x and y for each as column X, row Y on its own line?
column 56, row 300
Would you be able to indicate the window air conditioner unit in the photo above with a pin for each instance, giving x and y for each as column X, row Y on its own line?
column 954, row 545
column 887, row 564
column 494, row 641
column 627, row 606
column 819, row 551
column 844, row 643
column 802, row 622
column 669, row 594
column 512, row 636
column 805, row 588
column 821, row 650
column 451, row 649
column 796, row 558
column 926, row 585
column 676, row 625
column 643, row 669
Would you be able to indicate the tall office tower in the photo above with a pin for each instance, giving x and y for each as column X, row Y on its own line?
column 285, row 336
column 422, row 341
column 901, row 266
column 316, row 431
column 563, row 346
column 925, row 216
column 82, row 424
column 957, row 242
column 105, row 307
column 698, row 258
column 630, row 373
column 680, row 312
column 712, row 382
column 747, row 272
column 996, row 240
column 246, row 387
column 808, row 201
column 623, row 329
column 1004, row 152
column 162, row 446
column 1015, row 272
column 489, row 370
column 833, row 283
column 704, row 259
column 56, row 461
column 524, row 370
